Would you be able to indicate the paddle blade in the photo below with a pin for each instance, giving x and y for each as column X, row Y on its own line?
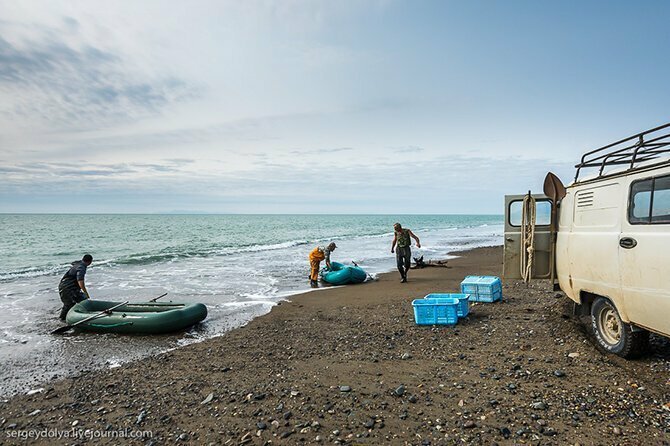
column 61, row 330
column 553, row 188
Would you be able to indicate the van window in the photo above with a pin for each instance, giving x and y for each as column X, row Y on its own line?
column 650, row 201
column 640, row 202
column 542, row 213
column 660, row 210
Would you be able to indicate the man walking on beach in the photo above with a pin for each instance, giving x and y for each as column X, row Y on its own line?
column 315, row 257
column 403, row 249
column 72, row 288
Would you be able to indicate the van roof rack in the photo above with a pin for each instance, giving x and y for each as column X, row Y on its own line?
column 632, row 151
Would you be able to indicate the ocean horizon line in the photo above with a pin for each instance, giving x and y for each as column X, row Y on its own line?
column 251, row 214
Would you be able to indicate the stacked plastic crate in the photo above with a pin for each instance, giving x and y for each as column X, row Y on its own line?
column 441, row 309
column 482, row 288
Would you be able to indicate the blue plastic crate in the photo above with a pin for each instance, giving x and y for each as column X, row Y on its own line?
column 435, row 311
column 463, row 301
column 482, row 288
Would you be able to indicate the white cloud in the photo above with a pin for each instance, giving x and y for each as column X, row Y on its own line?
column 273, row 103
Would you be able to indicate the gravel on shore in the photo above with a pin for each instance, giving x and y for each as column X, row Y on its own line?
column 348, row 365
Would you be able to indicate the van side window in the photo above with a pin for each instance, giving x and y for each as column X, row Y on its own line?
column 640, row 201
column 650, row 201
column 660, row 210
column 542, row 213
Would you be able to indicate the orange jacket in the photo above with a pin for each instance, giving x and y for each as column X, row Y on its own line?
column 316, row 255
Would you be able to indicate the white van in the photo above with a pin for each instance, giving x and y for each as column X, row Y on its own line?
column 611, row 254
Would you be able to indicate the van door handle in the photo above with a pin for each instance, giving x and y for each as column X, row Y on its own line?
column 628, row 242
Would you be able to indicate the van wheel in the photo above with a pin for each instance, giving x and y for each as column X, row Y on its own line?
column 613, row 334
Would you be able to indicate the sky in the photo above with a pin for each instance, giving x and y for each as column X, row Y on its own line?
column 393, row 107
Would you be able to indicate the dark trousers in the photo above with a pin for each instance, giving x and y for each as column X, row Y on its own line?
column 70, row 296
column 403, row 257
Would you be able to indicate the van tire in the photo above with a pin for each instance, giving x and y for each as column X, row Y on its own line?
column 614, row 335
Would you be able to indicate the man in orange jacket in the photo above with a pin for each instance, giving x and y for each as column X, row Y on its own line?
column 315, row 257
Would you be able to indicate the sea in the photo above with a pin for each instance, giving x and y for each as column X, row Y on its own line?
column 240, row 266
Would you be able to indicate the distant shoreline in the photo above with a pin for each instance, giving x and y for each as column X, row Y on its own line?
column 244, row 214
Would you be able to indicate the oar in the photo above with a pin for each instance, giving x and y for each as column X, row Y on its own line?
column 156, row 298
column 108, row 311
column 554, row 189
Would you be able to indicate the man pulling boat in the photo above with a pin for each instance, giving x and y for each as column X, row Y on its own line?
column 72, row 287
column 317, row 255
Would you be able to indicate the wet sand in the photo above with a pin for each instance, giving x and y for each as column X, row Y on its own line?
column 349, row 366
column 50, row 357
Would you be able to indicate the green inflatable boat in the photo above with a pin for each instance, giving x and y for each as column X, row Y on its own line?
column 140, row 318
column 340, row 274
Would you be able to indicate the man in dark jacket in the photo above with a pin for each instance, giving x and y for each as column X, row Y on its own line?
column 72, row 288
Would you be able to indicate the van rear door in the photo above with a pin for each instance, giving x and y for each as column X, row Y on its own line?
column 644, row 244
column 543, row 256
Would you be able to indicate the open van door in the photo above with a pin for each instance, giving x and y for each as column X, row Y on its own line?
column 543, row 255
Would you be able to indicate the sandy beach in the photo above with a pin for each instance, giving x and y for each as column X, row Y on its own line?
column 349, row 366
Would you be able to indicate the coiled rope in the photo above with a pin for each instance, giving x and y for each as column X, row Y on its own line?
column 527, row 237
